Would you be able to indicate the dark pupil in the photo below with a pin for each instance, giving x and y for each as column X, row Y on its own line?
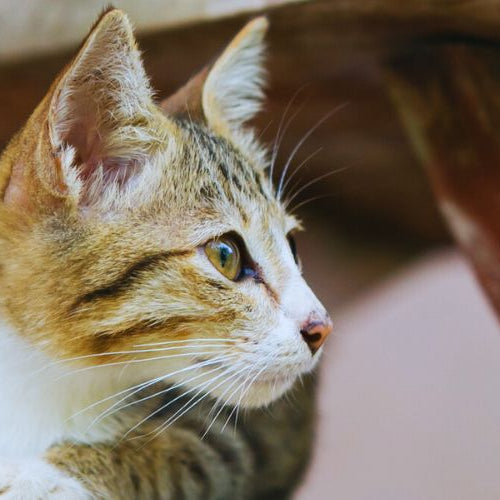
column 224, row 254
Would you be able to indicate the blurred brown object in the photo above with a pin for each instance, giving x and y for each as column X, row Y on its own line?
column 327, row 52
column 330, row 50
column 449, row 99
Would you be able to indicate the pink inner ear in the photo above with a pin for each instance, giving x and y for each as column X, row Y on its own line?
column 88, row 140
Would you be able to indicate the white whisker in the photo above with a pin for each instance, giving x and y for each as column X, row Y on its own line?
column 224, row 405
column 308, row 200
column 187, row 406
column 166, row 405
column 281, row 132
column 313, row 181
column 137, row 351
column 220, row 399
column 110, row 410
column 245, row 391
column 154, row 358
column 300, row 143
column 144, row 385
column 301, row 164
column 194, row 341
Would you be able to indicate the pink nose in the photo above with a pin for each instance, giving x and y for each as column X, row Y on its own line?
column 315, row 333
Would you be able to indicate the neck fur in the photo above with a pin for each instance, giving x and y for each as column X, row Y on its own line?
column 39, row 399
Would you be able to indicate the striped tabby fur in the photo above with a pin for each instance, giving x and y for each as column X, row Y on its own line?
column 130, row 366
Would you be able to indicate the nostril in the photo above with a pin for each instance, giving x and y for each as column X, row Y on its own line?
column 315, row 333
column 313, row 340
column 311, row 337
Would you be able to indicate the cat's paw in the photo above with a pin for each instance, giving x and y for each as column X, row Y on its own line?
column 38, row 480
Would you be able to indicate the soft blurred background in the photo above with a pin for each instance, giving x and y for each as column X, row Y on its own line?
column 409, row 404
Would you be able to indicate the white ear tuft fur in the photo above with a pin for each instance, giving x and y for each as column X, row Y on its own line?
column 232, row 93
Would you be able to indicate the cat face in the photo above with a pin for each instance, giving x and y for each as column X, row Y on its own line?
column 150, row 237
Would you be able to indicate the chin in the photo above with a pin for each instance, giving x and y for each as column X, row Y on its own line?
column 264, row 391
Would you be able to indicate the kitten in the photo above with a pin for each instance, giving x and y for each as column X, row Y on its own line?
column 150, row 288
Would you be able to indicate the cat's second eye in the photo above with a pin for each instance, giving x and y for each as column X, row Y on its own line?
column 225, row 256
column 293, row 247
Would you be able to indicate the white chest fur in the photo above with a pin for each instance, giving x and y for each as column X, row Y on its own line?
column 39, row 400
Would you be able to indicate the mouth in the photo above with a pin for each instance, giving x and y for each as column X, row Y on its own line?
column 257, row 386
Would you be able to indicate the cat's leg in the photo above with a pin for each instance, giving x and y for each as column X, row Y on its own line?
column 175, row 464
column 263, row 457
column 38, row 480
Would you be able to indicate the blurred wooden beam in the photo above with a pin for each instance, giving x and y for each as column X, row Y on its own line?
column 449, row 99
column 390, row 24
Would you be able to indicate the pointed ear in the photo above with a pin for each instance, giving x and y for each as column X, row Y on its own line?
column 93, row 131
column 229, row 93
column 99, row 105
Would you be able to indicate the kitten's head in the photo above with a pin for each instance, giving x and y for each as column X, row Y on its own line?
column 131, row 231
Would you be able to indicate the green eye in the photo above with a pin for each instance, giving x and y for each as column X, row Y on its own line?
column 225, row 256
